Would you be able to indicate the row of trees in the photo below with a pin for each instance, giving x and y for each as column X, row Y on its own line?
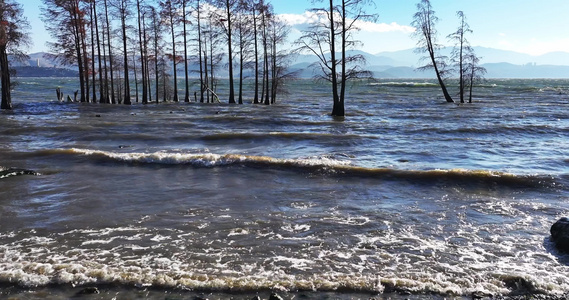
column 112, row 41
column 463, row 60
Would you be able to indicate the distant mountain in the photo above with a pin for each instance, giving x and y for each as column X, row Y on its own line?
column 488, row 55
column 40, row 59
column 28, row 71
column 506, row 70
column 394, row 64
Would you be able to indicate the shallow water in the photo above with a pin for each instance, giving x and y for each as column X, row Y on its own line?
column 406, row 195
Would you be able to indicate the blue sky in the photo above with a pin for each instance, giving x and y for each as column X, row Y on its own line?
column 527, row 26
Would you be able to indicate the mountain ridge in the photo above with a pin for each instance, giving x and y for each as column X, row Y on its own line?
column 398, row 64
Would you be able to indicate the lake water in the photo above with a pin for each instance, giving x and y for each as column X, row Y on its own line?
column 407, row 197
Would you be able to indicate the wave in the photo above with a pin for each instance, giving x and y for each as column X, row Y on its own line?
column 404, row 84
column 168, row 275
column 295, row 136
column 10, row 172
column 340, row 164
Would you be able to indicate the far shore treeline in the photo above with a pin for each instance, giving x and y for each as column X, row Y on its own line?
column 133, row 50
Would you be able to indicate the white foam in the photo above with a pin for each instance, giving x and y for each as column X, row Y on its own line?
column 210, row 159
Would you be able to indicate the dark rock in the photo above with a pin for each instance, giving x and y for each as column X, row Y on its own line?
column 560, row 234
column 275, row 296
column 519, row 286
column 16, row 172
column 89, row 291
column 256, row 298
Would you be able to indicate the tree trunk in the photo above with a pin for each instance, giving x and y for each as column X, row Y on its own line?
column 431, row 50
column 126, row 77
column 256, row 97
column 471, row 85
column 146, row 63
column 176, row 99
column 5, row 74
column 142, row 58
column 107, row 96
column 200, row 51
column 461, row 68
column 338, row 108
column 241, row 62
column 447, row 96
column 135, row 77
column 229, row 47
column 266, row 62
column 187, row 96
column 94, row 74
column 156, row 48
column 206, row 73
column 101, row 88
column 83, row 34
column 111, row 65
column 274, row 68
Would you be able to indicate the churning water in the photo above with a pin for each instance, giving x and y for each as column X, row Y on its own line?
column 407, row 195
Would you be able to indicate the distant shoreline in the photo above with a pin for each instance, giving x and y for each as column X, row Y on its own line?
column 29, row 71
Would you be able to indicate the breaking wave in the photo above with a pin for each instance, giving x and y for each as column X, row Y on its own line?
column 404, row 84
column 111, row 256
column 335, row 165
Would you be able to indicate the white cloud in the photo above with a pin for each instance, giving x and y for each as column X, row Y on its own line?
column 384, row 27
column 309, row 17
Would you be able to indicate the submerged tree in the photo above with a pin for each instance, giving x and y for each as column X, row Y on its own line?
column 461, row 47
column 244, row 33
column 65, row 20
column 333, row 36
column 185, row 22
column 13, row 36
column 473, row 72
column 123, row 12
column 465, row 60
column 227, row 22
column 279, row 58
column 169, row 13
column 424, row 22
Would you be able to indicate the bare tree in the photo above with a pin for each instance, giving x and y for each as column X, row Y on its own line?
column 123, row 13
column 227, row 22
column 142, row 52
column 266, row 12
column 280, row 58
column 200, row 52
column 244, row 33
column 424, row 22
column 335, row 35
column 461, row 47
column 95, row 29
column 13, row 37
column 112, row 96
column 156, row 28
column 185, row 21
column 254, row 8
column 65, row 20
column 473, row 72
column 169, row 14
